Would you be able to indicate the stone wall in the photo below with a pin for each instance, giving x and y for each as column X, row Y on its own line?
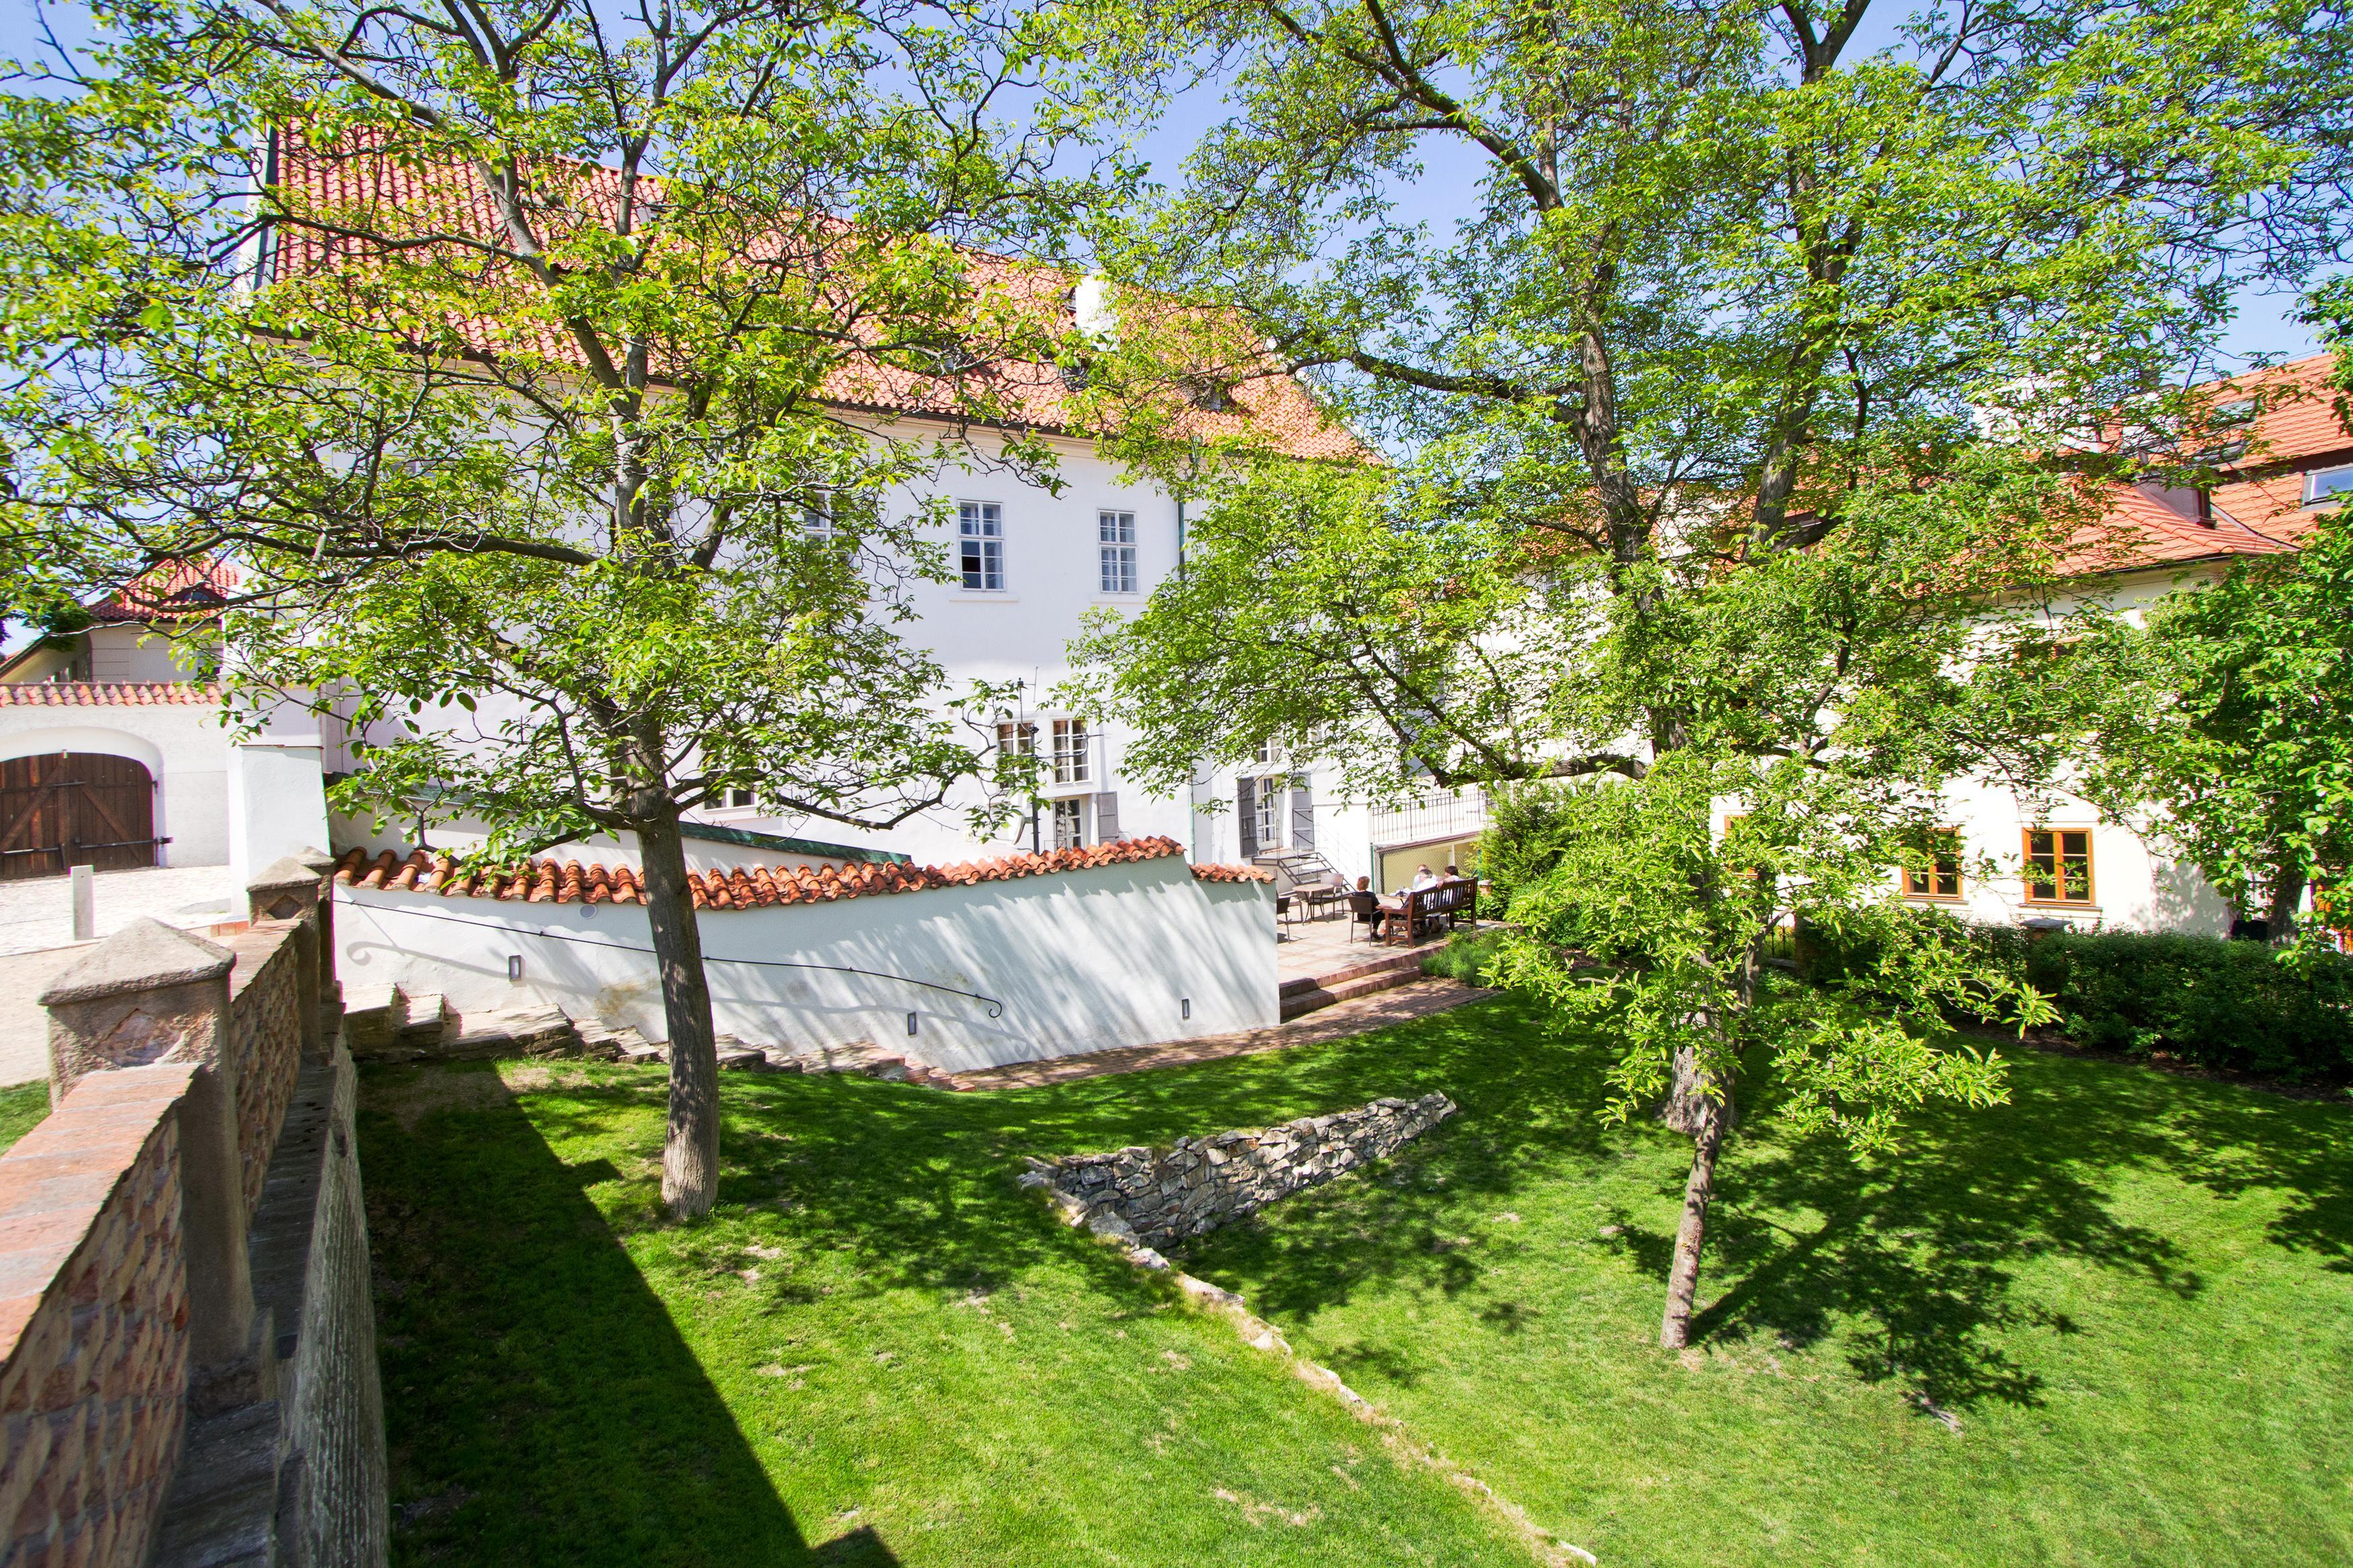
column 187, row 1345
column 93, row 1295
column 1160, row 1197
column 265, row 1036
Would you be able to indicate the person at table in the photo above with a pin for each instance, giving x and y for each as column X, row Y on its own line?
column 1423, row 877
column 1380, row 910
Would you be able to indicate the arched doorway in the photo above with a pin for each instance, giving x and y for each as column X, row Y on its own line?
column 75, row 809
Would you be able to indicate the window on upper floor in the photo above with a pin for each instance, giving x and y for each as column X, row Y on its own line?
column 1941, row 877
column 1070, row 751
column 980, row 545
column 1116, row 531
column 817, row 515
column 2324, row 485
column 1017, row 740
column 2058, row 865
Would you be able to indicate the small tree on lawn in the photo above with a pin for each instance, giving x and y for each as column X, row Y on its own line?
column 503, row 347
column 1690, row 502
column 2231, row 736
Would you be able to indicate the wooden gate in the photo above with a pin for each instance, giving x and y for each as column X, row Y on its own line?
column 75, row 809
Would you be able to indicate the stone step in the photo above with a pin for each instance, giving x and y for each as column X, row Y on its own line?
column 427, row 1026
column 1300, row 1003
column 1406, row 959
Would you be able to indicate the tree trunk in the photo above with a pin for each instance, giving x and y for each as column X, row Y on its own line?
column 691, row 1149
column 2287, row 895
column 1682, row 1280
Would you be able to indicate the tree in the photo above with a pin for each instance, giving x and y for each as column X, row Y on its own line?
column 1735, row 431
column 507, row 348
column 2231, row 740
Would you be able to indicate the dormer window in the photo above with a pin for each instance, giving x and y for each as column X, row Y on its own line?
column 2323, row 486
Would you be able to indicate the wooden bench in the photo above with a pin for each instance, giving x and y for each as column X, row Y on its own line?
column 1455, row 901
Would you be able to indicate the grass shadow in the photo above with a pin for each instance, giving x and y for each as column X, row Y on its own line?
column 541, row 1406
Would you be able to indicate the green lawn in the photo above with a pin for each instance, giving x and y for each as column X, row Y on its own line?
column 2132, row 1294
column 22, row 1107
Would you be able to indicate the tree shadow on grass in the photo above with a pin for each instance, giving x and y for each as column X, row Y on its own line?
column 1923, row 1246
column 541, row 1406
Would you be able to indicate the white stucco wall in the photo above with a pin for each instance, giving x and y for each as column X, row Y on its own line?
column 181, row 746
column 1083, row 960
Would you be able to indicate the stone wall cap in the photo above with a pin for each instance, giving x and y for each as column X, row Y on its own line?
column 145, row 955
column 286, row 871
column 317, row 861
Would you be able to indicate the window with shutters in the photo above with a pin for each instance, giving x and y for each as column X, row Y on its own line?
column 1071, row 823
column 2058, row 865
column 1269, row 806
column 980, row 545
column 1070, row 751
column 1116, row 533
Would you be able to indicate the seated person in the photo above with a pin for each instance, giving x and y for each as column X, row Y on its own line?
column 1452, row 874
column 1423, row 877
column 1378, row 912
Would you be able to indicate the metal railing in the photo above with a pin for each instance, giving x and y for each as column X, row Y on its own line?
column 1459, row 814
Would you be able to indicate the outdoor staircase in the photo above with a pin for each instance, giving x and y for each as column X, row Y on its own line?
column 1387, row 973
column 1295, row 867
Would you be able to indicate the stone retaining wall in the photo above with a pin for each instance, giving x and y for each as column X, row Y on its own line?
column 1160, row 1197
column 188, row 1354
column 93, row 1296
column 265, row 1036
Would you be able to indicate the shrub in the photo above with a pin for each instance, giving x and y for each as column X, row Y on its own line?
column 1527, row 827
column 1465, row 957
column 2201, row 999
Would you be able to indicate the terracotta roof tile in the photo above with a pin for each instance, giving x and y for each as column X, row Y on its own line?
column 2140, row 531
column 552, row 881
column 108, row 694
column 358, row 177
column 177, row 590
column 1232, row 874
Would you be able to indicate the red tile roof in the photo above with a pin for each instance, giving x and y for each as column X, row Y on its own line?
column 2258, row 508
column 401, row 196
column 177, row 590
column 108, row 693
column 2139, row 531
column 552, row 881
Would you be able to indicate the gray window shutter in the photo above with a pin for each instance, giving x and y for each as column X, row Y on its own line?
column 1246, row 815
column 1302, row 814
column 1107, row 817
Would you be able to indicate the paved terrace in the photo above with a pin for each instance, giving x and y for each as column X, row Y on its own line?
column 1305, row 948
column 36, row 940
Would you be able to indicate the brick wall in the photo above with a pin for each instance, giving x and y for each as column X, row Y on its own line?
column 266, row 1040
column 93, row 1300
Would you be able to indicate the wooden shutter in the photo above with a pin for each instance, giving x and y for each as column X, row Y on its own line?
column 1107, row 817
column 1302, row 814
column 1246, row 815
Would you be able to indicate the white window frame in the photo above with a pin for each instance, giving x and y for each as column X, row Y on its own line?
column 1115, row 542
column 1266, row 805
column 816, row 516
column 2315, row 496
column 1070, row 824
column 980, row 545
column 1071, row 758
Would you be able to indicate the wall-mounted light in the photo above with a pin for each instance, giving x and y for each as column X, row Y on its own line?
column 911, row 1023
column 1184, row 1008
column 514, row 966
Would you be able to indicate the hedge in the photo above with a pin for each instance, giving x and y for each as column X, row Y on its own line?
column 2201, row 999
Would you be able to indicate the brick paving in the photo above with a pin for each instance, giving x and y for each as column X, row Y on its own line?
column 1342, row 1019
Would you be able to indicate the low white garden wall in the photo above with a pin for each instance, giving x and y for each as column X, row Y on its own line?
column 1080, row 960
